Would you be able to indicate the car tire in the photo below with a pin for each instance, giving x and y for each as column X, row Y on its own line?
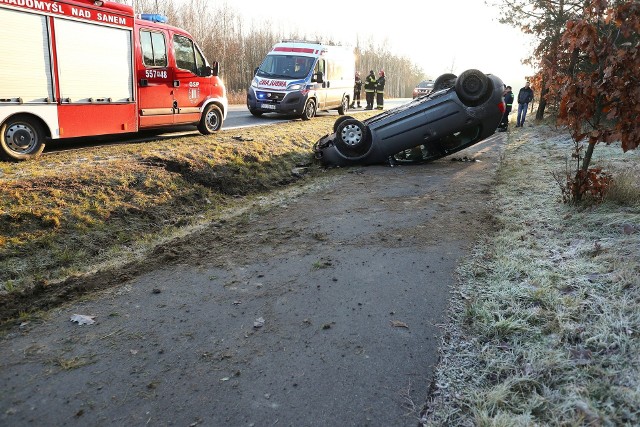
column 211, row 120
column 256, row 113
column 352, row 139
column 309, row 111
column 21, row 138
column 340, row 120
column 473, row 88
column 445, row 81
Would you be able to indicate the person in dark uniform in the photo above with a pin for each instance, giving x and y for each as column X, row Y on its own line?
column 525, row 96
column 380, row 90
column 370, row 89
column 357, row 87
column 508, row 101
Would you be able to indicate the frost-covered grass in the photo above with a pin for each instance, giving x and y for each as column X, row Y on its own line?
column 545, row 323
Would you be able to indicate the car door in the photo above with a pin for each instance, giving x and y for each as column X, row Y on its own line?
column 321, row 88
column 154, row 78
column 191, row 84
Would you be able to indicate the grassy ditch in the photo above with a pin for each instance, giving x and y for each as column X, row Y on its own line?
column 74, row 212
column 544, row 327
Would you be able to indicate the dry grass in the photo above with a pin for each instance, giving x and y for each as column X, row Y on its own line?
column 545, row 324
column 70, row 212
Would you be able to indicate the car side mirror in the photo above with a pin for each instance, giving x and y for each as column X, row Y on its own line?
column 317, row 77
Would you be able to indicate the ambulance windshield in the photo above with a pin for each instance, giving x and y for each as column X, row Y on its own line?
column 286, row 66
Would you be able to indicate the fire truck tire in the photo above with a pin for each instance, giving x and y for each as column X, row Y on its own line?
column 473, row 87
column 344, row 106
column 21, row 138
column 309, row 110
column 445, row 81
column 211, row 120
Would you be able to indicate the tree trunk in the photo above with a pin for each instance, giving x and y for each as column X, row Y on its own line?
column 543, row 100
column 587, row 156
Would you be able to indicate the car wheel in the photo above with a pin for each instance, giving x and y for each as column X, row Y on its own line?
column 340, row 120
column 211, row 120
column 473, row 88
column 352, row 139
column 21, row 138
column 256, row 113
column 309, row 110
column 344, row 106
column 445, row 81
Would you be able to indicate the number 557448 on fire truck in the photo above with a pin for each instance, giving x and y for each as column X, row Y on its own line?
column 75, row 68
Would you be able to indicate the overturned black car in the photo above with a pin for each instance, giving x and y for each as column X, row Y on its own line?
column 459, row 112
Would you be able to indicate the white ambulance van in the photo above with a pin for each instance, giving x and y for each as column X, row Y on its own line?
column 301, row 78
column 73, row 68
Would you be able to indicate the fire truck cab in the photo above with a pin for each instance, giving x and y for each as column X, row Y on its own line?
column 74, row 68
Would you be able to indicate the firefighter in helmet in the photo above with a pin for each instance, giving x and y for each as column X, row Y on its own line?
column 370, row 89
column 380, row 90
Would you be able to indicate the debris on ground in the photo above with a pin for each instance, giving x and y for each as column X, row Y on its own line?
column 81, row 319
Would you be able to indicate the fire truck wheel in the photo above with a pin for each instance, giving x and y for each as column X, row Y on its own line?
column 309, row 110
column 344, row 106
column 211, row 120
column 21, row 138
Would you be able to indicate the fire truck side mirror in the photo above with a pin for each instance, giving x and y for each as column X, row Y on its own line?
column 214, row 69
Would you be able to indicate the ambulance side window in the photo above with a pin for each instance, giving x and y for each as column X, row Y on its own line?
column 320, row 68
column 185, row 54
column 154, row 49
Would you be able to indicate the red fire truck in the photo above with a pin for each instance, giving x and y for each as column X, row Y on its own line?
column 73, row 68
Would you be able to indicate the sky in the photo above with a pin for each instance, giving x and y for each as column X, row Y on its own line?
column 440, row 36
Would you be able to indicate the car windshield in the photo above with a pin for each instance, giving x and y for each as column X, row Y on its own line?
column 285, row 66
column 425, row 84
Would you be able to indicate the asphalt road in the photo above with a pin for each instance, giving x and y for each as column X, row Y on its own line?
column 320, row 308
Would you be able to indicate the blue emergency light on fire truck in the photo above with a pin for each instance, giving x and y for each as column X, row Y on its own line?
column 74, row 68
column 301, row 78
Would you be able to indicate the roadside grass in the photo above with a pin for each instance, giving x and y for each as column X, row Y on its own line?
column 76, row 211
column 544, row 326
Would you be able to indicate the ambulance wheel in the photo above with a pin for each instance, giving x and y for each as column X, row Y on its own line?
column 344, row 106
column 211, row 120
column 340, row 120
column 309, row 110
column 256, row 113
column 21, row 138
column 352, row 138
column 473, row 87
column 445, row 81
